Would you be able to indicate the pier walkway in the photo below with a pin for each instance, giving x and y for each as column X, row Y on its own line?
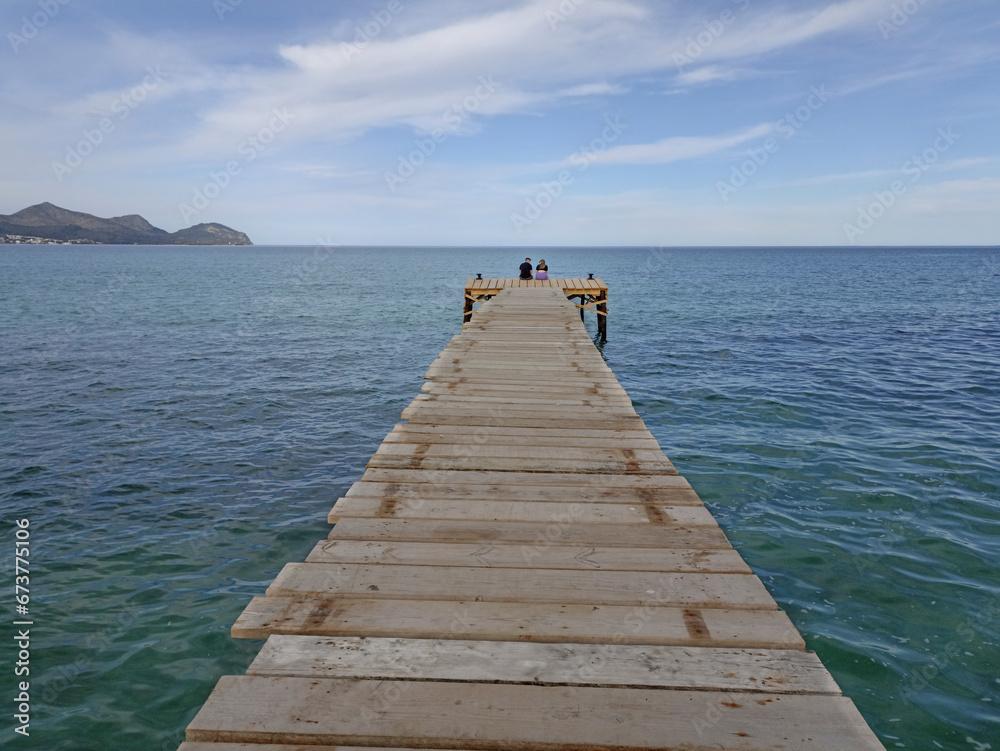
column 521, row 567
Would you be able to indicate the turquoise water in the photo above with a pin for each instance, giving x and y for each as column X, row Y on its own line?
column 177, row 422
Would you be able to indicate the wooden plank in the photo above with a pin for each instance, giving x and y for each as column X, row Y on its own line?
column 562, row 530
column 492, row 354
column 556, row 381
column 457, row 386
column 412, row 492
column 493, row 347
column 572, row 370
column 520, row 511
column 498, row 555
column 431, row 417
column 483, row 434
column 444, row 437
column 731, row 591
column 526, row 449
column 522, row 378
column 536, row 622
column 568, row 377
column 774, row 671
column 595, row 407
column 428, row 456
column 522, row 465
column 491, row 351
column 562, row 479
column 488, row 716
column 595, row 404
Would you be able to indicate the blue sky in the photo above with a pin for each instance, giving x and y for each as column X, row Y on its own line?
column 512, row 122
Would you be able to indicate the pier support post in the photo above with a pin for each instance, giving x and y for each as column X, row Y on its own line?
column 468, row 308
column 602, row 315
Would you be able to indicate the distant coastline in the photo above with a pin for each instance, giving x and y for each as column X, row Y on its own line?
column 47, row 224
column 29, row 240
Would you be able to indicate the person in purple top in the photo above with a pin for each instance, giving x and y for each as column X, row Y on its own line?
column 525, row 269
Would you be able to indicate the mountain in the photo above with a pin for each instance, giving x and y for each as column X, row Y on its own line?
column 46, row 223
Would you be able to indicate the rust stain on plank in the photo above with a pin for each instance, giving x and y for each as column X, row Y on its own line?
column 696, row 626
column 387, row 507
column 324, row 609
column 419, row 454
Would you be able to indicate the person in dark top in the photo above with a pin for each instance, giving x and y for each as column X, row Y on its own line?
column 526, row 269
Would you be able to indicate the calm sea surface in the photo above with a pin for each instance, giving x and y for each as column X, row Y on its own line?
column 177, row 422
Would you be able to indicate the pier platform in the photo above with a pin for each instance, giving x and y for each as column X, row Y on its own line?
column 521, row 567
column 589, row 294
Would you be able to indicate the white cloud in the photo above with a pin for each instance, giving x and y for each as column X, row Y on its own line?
column 706, row 74
column 676, row 148
column 339, row 92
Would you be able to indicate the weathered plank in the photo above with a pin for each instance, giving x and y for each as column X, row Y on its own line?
column 429, row 491
column 488, row 437
column 540, row 464
column 486, row 456
column 594, row 587
column 498, row 420
column 601, row 405
column 487, row 716
column 518, row 511
column 775, row 671
column 563, row 479
column 520, row 451
column 514, row 415
column 562, row 530
column 516, row 390
column 555, row 623
column 482, row 433
column 499, row 555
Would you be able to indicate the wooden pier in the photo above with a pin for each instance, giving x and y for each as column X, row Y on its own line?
column 521, row 567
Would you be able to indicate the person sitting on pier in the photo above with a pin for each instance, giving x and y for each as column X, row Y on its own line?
column 526, row 269
column 541, row 270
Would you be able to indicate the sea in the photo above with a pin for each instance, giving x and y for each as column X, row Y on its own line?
column 177, row 422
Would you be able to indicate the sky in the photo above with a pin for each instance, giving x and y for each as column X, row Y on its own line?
column 512, row 122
